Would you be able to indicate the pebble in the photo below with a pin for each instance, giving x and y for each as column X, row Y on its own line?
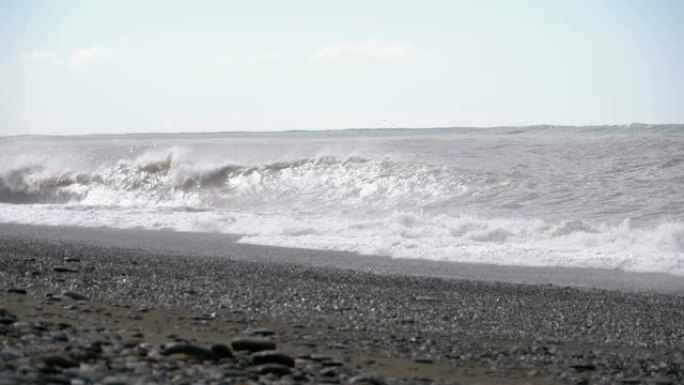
column 631, row 381
column 368, row 379
column 239, row 373
column 320, row 357
column 115, row 380
column 331, row 363
column 277, row 369
column 55, row 379
column 423, row 360
column 426, row 298
column 583, row 366
column 260, row 332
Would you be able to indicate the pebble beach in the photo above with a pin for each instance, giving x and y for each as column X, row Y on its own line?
column 363, row 193
column 92, row 311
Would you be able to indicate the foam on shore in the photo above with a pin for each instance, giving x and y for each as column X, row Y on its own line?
column 225, row 246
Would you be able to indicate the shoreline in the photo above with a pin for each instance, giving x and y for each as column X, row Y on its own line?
column 227, row 246
column 409, row 328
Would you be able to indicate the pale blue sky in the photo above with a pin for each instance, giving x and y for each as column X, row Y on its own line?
column 73, row 67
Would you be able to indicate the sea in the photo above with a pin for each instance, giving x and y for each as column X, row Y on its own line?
column 608, row 197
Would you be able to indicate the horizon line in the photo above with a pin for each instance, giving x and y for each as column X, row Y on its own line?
column 142, row 133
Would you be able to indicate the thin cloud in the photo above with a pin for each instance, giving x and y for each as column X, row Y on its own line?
column 358, row 52
column 85, row 55
column 37, row 55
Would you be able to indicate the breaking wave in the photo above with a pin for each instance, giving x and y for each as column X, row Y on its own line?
column 505, row 197
column 170, row 181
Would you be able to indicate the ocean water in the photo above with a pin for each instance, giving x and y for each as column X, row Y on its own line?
column 605, row 197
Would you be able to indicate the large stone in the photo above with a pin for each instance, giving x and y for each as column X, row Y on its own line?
column 222, row 351
column 252, row 344
column 58, row 360
column 75, row 296
column 190, row 350
column 7, row 318
column 272, row 357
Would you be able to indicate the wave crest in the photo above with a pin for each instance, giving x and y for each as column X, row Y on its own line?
column 169, row 179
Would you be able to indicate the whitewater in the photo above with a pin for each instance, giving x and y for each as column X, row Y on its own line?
column 600, row 196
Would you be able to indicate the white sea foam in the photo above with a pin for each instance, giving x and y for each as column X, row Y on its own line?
column 587, row 198
column 402, row 235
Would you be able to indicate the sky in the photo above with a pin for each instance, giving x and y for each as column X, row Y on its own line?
column 77, row 67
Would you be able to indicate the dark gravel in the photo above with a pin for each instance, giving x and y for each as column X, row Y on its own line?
column 563, row 334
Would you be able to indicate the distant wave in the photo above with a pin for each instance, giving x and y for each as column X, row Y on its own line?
column 540, row 129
